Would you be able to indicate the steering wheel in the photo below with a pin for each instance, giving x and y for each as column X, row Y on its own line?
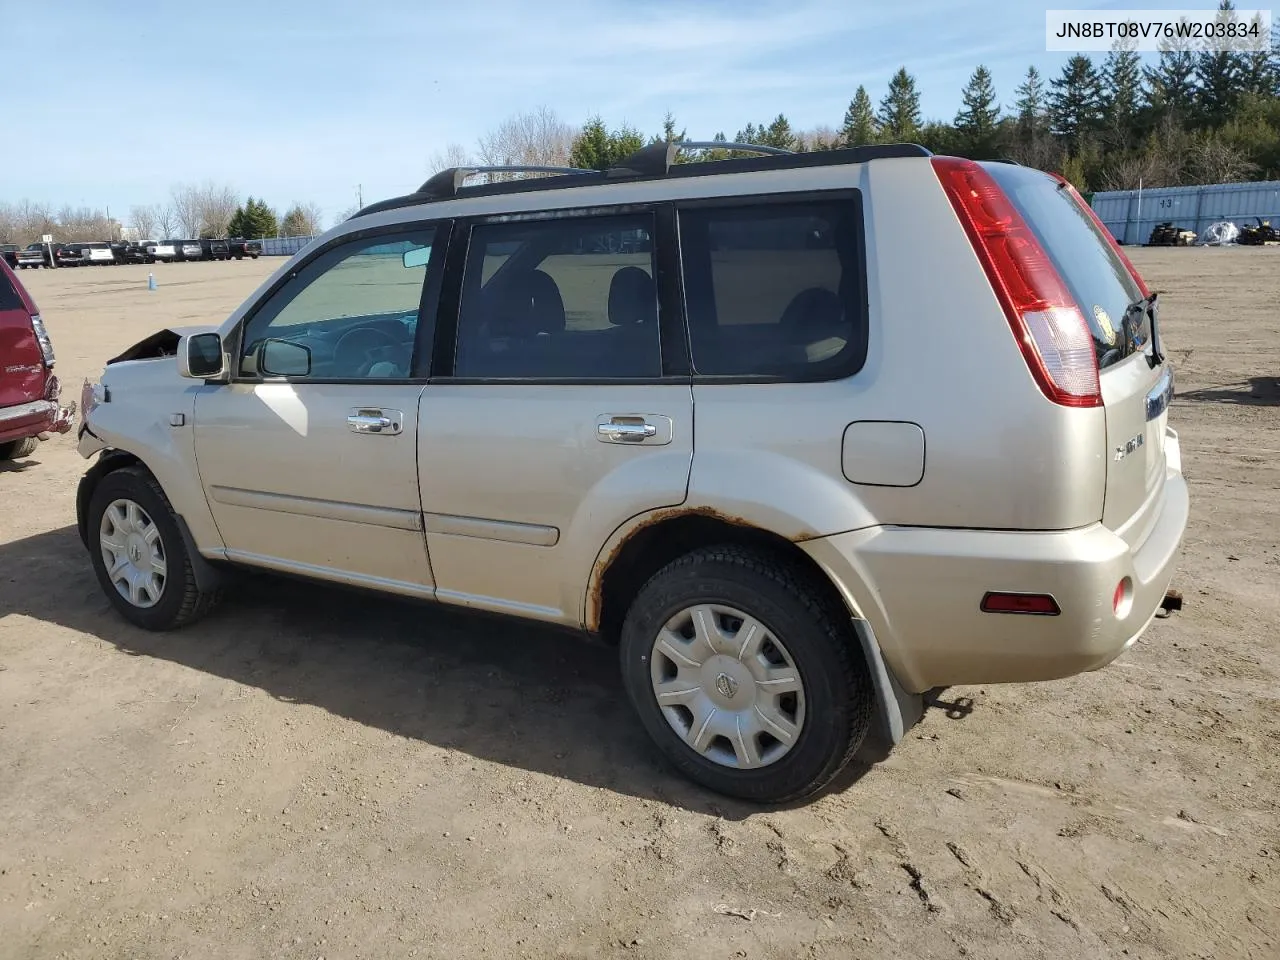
column 358, row 350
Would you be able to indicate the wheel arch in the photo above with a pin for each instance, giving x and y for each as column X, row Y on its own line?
column 109, row 461
column 650, row 541
column 208, row 576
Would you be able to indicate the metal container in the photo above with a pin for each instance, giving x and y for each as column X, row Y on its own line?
column 1131, row 215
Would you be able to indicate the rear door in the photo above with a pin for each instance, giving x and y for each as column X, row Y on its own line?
column 561, row 409
column 21, row 362
column 1136, row 383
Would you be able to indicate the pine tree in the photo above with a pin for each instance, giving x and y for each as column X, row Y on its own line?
column 1076, row 102
column 1031, row 105
column 253, row 221
column 779, row 134
column 1260, row 66
column 978, row 116
column 1171, row 87
column 1122, row 93
column 900, row 109
column 598, row 148
column 859, row 126
column 1220, row 76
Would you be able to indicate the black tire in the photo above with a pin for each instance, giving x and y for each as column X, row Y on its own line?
column 181, row 602
column 17, row 449
column 817, row 632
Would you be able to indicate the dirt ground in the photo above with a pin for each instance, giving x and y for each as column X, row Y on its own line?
column 311, row 773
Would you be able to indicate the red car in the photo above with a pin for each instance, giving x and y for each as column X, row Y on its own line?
column 30, row 407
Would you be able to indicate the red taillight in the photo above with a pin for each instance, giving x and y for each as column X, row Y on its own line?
column 1047, row 323
column 1034, row 603
column 1102, row 228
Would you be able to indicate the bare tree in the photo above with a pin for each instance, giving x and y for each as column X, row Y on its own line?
column 346, row 214
column 8, row 224
column 454, row 155
column 538, row 137
column 1216, row 161
column 302, row 220
column 32, row 221
column 85, row 223
column 1133, row 171
column 186, row 203
column 1040, row 152
column 217, row 205
column 821, row 137
column 166, row 221
column 143, row 220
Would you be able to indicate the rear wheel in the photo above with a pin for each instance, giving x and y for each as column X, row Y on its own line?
column 17, row 449
column 745, row 674
column 139, row 555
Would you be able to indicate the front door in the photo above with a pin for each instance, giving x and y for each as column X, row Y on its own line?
column 557, row 420
column 309, row 457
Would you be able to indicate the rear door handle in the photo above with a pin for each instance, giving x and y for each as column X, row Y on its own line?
column 633, row 428
column 374, row 420
column 626, row 432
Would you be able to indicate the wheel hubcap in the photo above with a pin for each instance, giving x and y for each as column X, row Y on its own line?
column 133, row 553
column 727, row 686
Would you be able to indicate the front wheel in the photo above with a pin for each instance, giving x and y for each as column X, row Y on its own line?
column 139, row 555
column 746, row 675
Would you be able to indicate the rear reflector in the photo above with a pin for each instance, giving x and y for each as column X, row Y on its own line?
column 1122, row 599
column 1034, row 603
column 1046, row 321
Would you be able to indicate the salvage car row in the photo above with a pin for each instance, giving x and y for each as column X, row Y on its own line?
column 103, row 253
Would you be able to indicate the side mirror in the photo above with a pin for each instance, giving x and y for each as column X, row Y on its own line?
column 283, row 358
column 200, row 357
column 416, row 257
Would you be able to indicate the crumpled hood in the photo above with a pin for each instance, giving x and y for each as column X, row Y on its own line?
column 162, row 343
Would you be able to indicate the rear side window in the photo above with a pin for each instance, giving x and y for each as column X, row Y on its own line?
column 775, row 289
column 9, row 299
column 1098, row 280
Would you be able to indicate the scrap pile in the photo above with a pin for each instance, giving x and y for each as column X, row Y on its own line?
column 1167, row 235
column 1258, row 234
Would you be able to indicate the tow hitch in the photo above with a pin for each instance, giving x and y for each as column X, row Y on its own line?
column 1172, row 601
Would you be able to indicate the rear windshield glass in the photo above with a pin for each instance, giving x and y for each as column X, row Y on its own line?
column 1097, row 278
column 9, row 299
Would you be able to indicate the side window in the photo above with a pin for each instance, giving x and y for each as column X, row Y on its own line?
column 354, row 308
column 775, row 289
column 570, row 298
column 9, row 299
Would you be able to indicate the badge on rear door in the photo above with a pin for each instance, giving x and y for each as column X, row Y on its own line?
column 1129, row 446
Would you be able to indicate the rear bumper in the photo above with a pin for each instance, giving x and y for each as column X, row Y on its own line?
column 920, row 590
column 35, row 419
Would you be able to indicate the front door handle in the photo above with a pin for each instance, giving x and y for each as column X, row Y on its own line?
column 626, row 432
column 374, row 420
column 649, row 429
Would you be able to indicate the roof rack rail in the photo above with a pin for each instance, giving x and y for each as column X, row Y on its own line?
column 648, row 163
column 722, row 145
column 656, row 159
column 447, row 183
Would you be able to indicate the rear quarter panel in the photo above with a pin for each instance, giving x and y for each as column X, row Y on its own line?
column 998, row 454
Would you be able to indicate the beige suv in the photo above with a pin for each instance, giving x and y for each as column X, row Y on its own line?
column 806, row 436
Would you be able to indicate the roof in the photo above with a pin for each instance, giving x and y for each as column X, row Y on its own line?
column 654, row 162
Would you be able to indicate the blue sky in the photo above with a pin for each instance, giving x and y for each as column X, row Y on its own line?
column 299, row 101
